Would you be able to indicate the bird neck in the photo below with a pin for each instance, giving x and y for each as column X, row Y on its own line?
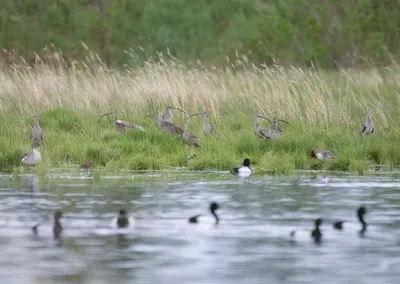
column 169, row 114
column 160, row 118
column 205, row 119
column 186, row 128
column 36, row 123
column 216, row 216
column 361, row 219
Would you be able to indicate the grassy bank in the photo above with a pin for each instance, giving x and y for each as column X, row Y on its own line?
column 324, row 109
column 326, row 33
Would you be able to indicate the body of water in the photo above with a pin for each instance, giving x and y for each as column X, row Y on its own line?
column 251, row 244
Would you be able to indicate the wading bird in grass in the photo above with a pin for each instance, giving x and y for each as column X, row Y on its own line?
column 199, row 218
column 368, row 127
column 36, row 134
column 32, row 158
column 360, row 215
column 258, row 129
column 321, row 154
column 123, row 220
column 274, row 131
column 243, row 171
column 164, row 125
column 207, row 128
column 188, row 137
column 168, row 117
column 121, row 125
column 57, row 228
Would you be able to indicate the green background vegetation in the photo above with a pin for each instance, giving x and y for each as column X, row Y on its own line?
column 297, row 32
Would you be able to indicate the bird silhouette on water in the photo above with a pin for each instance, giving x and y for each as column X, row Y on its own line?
column 316, row 234
column 361, row 211
column 57, row 227
column 213, row 207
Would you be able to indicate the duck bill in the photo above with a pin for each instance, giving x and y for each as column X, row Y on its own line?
column 195, row 114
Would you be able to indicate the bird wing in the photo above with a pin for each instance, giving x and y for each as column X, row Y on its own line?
column 362, row 129
column 129, row 124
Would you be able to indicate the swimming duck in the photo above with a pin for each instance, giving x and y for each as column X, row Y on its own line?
column 360, row 214
column 322, row 154
column 32, row 158
column 316, row 234
column 57, row 228
column 123, row 220
column 243, row 171
column 213, row 207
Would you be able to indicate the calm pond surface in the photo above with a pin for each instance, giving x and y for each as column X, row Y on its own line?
column 251, row 244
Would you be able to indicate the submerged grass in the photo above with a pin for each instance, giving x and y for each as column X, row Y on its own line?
column 325, row 110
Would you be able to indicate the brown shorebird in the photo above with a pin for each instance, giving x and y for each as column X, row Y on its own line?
column 165, row 125
column 169, row 116
column 36, row 134
column 258, row 129
column 121, row 125
column 188, row 137
column 274, row 131
column 368, row 127
column 321, row 154
column 207, row 128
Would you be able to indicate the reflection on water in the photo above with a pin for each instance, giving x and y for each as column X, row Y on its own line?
column 251, row 244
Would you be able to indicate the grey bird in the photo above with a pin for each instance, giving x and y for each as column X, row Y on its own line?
column 36, row 134
column 169, row 116
column 274, row 131
column 164, row 125
column 121, row 125
column 32, row 158
column 368, row 127
column 207, row 128
column 258, row 129
column 188, row 137
column 322, row 154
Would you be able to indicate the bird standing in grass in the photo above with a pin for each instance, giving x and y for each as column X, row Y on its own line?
column 188, row 137
column 121, row 125
column 36, row 134
column 243, row 171
column 258, row 129
column 207, row 128
column 168, row 117
column 274, row 131
column 368, row 127
column 322, row 154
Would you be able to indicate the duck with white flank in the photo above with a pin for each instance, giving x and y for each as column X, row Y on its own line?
column 243, row 171
column 360, row 214
column 213, row 207
column 322, row 154
column 32, row 158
